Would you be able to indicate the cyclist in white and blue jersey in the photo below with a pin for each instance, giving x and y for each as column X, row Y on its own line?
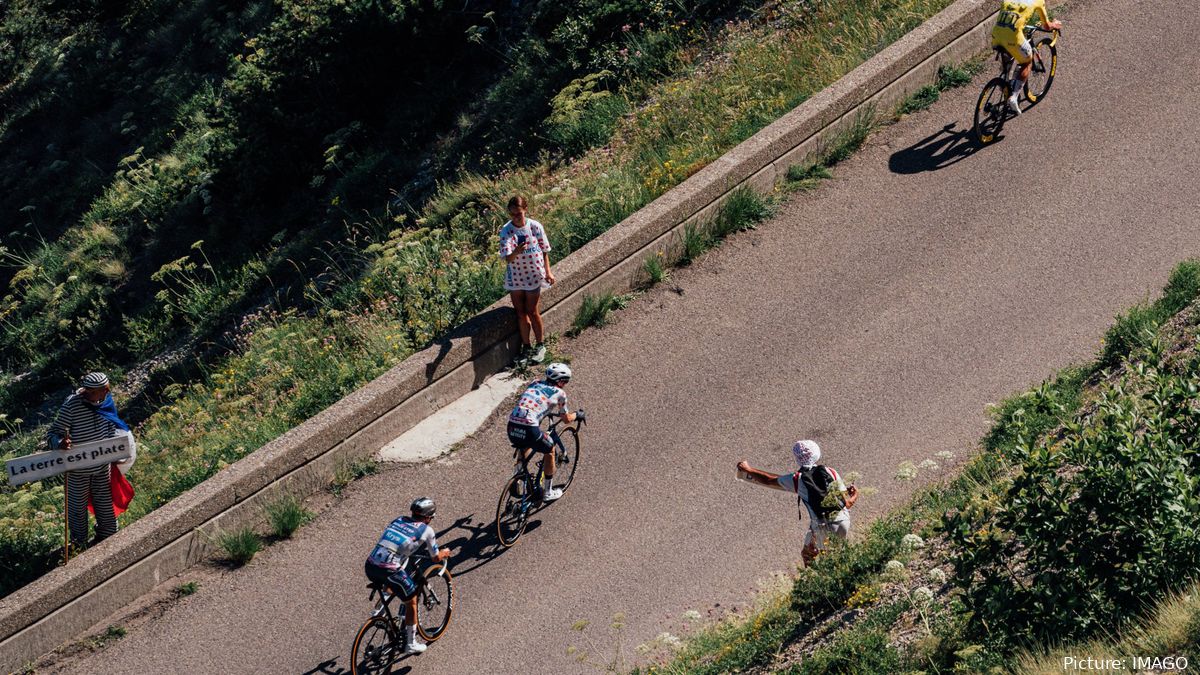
column 542, row 398
column 403, row 537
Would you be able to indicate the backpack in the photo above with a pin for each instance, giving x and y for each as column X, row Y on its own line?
column 819, row 482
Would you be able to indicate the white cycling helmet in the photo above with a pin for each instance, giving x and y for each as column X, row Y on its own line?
column 558, row 372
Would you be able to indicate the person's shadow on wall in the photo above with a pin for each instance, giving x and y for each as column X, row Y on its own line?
column 937, row 151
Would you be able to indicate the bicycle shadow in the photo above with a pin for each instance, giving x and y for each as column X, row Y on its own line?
column 331, row 667
column 477, row 543
column 937, row 151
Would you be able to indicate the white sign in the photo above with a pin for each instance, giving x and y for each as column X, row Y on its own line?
column 80, row 456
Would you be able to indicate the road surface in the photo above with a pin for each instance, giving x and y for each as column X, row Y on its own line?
column 879, row 314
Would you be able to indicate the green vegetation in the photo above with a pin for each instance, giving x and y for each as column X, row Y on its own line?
column 1079, row 508
column 1172, row 629
column 595, row 310
column 102, row 640
column 240, row 545
column 178, row 231
column 349, row 471
column 1135, row 329
column 949, row 77
column 286, row 514
column 187, row 588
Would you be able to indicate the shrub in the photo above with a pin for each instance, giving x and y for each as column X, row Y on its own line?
column 1096, row 520
column 919, row 100
column 349, row 471
column 240, row 545
column 595, row 309
column 286, row 514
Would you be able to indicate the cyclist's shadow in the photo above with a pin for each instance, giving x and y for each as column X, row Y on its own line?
column 477, row 544
column 937, row 151
column 331, row 667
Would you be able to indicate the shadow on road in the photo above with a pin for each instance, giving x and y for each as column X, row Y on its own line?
column 938, row 151
column 477, row 544
column 331, row 667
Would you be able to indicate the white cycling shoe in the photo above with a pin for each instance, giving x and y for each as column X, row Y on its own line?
column 415, row 647
column 1014, row 105
column 552, row 494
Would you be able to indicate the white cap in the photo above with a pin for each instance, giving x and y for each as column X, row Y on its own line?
column 807, row 453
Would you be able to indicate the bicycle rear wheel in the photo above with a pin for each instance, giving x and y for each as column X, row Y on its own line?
column 376, row 647
column 1045, row 63
column 991, row 110
column 566, row 459
column 512, row 512
column 435, row 602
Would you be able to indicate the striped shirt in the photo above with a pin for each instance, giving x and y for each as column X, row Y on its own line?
column 78, row 420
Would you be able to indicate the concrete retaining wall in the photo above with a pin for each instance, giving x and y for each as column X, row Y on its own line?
column 69, row 600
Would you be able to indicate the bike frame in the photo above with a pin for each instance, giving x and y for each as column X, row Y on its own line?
column 1007, row 62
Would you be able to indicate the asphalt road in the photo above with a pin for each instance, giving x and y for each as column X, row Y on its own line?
column 879, row 314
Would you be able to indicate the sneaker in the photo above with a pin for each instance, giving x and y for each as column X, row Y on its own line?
column 1013, row 105
column 538, row 353
column 522, row 355
column 552, row 494
column 415, row 646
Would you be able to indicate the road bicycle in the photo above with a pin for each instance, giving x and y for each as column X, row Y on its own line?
column 380, row 641
column 991, row 110
column 522, row 493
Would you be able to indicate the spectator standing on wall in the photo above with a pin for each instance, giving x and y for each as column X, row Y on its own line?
column 88, row 415
column 524, row 246
column 819, row 491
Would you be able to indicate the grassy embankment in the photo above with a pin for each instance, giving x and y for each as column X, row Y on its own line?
column 418, row 283
column 1075, row 524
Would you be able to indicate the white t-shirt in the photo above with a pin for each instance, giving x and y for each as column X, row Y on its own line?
column 788, row 482
column 526, row 271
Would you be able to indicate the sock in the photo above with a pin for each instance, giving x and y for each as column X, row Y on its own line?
column 547, row 483
column 410, row 630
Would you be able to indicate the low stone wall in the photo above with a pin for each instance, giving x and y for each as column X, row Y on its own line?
column 69, row 600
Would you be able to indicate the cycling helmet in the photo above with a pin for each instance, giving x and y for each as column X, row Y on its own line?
column 558, row 372
column 423, row 507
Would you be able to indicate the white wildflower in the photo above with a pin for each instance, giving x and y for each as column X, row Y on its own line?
column 669, row 641
column 906, row 471
column 922, row 594
column 691, row 615
column 912, row 541
column 937, row 576
column 930, row 465
column 894, row 567
column 945, row 455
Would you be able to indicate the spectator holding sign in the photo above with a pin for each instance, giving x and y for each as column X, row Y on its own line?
column 90, row 415
column 819, row 492
column 524, row 246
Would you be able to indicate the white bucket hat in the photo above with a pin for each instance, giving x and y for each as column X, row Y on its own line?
column 807, row 453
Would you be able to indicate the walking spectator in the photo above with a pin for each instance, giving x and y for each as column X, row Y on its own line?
column 524, row 247
column 88, row 415
column 819, row 491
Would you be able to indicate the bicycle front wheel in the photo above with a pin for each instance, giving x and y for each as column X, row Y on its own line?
column 566, row 459
column 512, row 513
column 375, row 647
column 1045, row 62
column 435, row 602
column 991, row 110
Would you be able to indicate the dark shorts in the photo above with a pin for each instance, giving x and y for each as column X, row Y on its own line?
column 525, row 437
column 399, row 582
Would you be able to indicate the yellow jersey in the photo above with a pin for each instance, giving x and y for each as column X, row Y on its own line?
column 1014, row 14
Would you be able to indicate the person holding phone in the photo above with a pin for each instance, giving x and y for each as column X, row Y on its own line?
column 524, row 246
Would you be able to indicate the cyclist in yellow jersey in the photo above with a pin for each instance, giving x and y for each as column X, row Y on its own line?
column 1009, row 33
